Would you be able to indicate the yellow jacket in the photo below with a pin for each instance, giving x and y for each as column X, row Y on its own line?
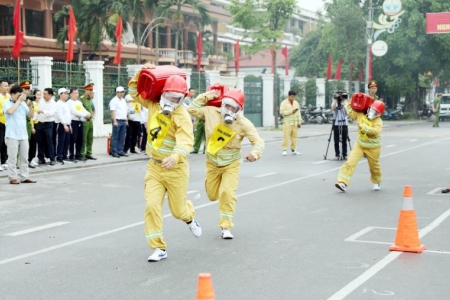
column 287, row 111
column 241, row 126
column 179, row 139
column 369, row 130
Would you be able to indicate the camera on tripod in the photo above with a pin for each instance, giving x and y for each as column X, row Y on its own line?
column 340, row 96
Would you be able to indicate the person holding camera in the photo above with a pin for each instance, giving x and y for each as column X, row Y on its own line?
column 16, row 136
column 290, row 110
column 340, row 125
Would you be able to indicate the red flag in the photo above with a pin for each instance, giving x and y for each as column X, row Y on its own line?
column 272, row 55
column 18, row 42
column 236, row 56
column 71, row 33
column 285, row 53
column 337, row 75
column 199, row 50
column 352, row 68
column 330, row 67
column 361, row 75
column 118, row 34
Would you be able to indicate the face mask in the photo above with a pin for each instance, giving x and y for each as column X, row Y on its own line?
column 228, row 115
column 169, row 102
column 372, row 114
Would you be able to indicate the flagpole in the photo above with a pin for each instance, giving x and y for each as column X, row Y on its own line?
column 18, row 70
column 118, row 75
column 70, row 75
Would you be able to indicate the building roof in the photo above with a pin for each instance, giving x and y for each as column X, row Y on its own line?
column 261, row 59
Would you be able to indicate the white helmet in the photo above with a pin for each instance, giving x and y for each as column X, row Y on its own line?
column 229, row 110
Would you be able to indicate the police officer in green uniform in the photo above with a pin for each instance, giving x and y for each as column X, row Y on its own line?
column 373, row 87
column 88, row 130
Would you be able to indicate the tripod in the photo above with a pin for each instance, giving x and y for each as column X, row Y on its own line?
column 340, row 116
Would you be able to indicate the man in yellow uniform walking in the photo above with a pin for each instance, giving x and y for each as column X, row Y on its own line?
column 225, row 129
column 292, row 121
column 170, row 138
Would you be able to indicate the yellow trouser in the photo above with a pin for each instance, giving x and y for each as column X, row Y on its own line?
column 221, row 183
column 157, row 181
column 373, row 156
column 289, row 132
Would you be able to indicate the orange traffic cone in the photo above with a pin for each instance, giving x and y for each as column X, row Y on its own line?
column 205, row 289
column 407, row 238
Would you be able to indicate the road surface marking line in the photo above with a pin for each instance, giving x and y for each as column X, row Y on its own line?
column 36, row 228
column 372, row 271
column 264, row 175
column 320, row 162
column 390, row 146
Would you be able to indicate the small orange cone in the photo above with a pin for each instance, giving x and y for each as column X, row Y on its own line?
column 205, row 290
column 407, row 238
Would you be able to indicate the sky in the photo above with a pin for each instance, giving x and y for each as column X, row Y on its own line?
column 312, row 5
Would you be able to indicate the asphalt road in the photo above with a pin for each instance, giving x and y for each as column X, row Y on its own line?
column 296, row 235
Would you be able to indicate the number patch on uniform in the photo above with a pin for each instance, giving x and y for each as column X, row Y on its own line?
column 159, row 126
column 220, row 137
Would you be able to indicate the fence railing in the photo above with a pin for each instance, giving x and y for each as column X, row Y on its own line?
column 10, row 70
column 68, row 75
column 113, row 76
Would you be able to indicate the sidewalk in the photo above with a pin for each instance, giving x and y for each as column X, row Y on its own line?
column 267, row 134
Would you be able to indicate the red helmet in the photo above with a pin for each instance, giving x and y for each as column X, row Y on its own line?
column 175, row 83
column 378, row 106
column 361, row 102
column 237, row 95
column 217, row 102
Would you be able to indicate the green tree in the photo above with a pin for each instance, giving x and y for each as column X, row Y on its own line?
column 264, row 22
column 311, row 91
column 178, row 17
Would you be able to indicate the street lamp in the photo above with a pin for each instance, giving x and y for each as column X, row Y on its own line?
column 145, row 34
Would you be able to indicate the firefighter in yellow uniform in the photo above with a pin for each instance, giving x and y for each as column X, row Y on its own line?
column 170, row 139
column 225, row 128
column 368, row 144
column 292, row 121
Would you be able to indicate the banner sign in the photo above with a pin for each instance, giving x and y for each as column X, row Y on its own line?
column 438, row 23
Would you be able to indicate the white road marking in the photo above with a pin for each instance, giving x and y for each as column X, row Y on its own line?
column 390, row 146
column 320, row 162
column 353, row 285
column 354, row 237
column 413, row 140
column 36, row 228
column 264, row 175
column 380, row 265
column 434, row 192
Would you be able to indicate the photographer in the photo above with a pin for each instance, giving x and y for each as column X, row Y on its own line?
column 340, row 125
column 16, row 137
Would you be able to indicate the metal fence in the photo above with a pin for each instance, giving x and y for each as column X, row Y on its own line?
column 68, row 75
column 253, row 107
column 199, row 82
column 113, row 76
column 11, row 70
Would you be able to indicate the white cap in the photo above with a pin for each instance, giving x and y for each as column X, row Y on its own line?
column 62, row 90
column 120, row 89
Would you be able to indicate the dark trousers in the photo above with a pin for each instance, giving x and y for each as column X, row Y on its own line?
column 62, row 141
column 44, row 137
column 76, row 140
column 133, row 131
column 3, row 153
column 33, row 147
column 340, row 135
column 144, row 137
column 118, row 137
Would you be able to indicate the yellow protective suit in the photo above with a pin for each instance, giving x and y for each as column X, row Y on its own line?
column 174, row 139
column 368, row 143
column 223, row 154
column 291, row 123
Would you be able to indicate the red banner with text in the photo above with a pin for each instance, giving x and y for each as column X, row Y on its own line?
column 438, row 23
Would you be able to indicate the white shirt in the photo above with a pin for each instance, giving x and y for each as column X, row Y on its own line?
column 77, row 110
column 63, row 113
column 49, row 111
column 134, row 111
column 144, row 115
column 119, row 105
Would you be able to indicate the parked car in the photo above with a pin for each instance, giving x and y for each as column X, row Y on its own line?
column 445, row 107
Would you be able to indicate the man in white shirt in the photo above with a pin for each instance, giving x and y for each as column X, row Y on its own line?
column 78, row 115
column 134, row 125
column 119, row 110
column 63, row 126
column 45, row 115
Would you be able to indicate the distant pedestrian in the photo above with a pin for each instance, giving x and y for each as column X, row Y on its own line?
column 437, row 109
column 79, row 115
column 88, row 125
column 4, row 96
column 292, row 121
column 63, row 126
column 45, row 115
column 134, row 125
column 119, row 110
column 16, row 136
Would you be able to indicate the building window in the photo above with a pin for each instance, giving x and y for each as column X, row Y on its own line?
column 6, row 15
column 57, row 26
column 35, row 23
column 226, row 47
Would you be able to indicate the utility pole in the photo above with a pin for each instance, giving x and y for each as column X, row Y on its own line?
column 369, row 35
